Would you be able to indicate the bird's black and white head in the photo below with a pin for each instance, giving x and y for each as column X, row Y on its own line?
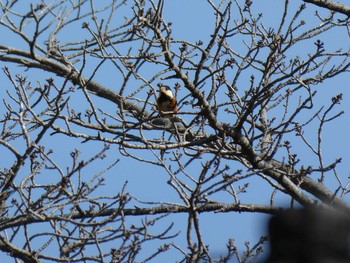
column 165, row 90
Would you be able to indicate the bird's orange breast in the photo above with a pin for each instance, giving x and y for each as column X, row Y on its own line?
column 167, row 106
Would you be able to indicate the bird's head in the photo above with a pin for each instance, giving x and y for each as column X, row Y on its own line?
column 166, row 91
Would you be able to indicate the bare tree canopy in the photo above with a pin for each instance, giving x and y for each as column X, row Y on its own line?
column 80, row 80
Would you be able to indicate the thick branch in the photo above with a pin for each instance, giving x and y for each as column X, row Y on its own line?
column 333, row 6
column 25, row 58
column 17, row 252
column 207, row 207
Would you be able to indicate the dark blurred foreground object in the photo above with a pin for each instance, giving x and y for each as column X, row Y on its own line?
column 309, row 236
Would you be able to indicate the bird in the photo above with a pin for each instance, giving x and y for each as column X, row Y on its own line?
column 166, row 102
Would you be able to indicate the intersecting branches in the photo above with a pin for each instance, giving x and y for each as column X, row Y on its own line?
column 244, row 92
column 37, row 189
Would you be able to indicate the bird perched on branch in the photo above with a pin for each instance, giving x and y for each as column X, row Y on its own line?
column 166, row 102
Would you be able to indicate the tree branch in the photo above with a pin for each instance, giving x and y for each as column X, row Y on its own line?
column 333, row 6
column 163, row 209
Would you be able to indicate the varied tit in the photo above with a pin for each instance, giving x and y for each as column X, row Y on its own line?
column 166, row 102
